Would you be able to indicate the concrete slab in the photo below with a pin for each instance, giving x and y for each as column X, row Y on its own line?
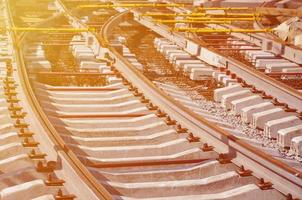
column 226, row 99
column 222, row 76
column 214, row 184
column 193, row 153
column 186, row 172
column 91, row 65
column 190, row 66
column 94, row 108
column 296, row 145
column 227, row 81
column 261, row 63
column 239, row 104
column 197, row 74
column 247, row 112
column 261, row 118
column 271, row 127
column 27, row 191
column 292, row 70
column 278, row 67
column 107, row 141
column 180, row 63
column 218, row 93
column 113, row 80
column 286, row 135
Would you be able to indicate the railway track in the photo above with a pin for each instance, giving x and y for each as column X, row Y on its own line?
column 270, row 86
column 187, row 64
column 29, row 169
column 54, row 167
column 269, row 117
column 126, row 139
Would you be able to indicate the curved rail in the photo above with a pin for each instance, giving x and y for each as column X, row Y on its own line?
column 99, row 191
column 243, row 153
column 261, row 163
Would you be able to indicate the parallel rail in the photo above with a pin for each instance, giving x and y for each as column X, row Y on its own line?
column 99, row 191
column 284, row 177
column 270, row 86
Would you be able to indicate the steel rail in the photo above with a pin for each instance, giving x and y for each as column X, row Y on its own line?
column 48, row 29
column 285, row 178
column 99, row 191
column 72, row 73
